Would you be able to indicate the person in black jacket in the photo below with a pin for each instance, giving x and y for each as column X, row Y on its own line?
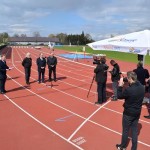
column 52, row 62
column 148, row 102
column 115, row 77
column 142, row 73
column 133, row 95
column 41, row 63
column 27, row 63
column 3, row 76
column 101, row 78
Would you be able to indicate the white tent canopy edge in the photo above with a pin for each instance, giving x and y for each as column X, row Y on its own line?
column 136, row 42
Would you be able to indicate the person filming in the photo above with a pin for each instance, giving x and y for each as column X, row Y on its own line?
column 133, row 97
column 101, row 79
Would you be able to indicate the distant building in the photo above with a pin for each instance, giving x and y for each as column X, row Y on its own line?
column 32, row 40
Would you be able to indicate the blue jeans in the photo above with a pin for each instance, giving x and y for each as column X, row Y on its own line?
column 115, row 86
column 127, row 123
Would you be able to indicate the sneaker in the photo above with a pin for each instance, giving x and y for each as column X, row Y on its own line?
column 98, row 103
column 114, row 99
column 119, row 147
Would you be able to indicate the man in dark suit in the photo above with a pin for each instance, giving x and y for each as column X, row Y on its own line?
column 52, row 62
column 142, row 73
column 41, row 63
column 101, row 78
column 3, row 76
column 27, row 63
column 133, row 97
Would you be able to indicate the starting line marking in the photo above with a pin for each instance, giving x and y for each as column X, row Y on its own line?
column 79, row 140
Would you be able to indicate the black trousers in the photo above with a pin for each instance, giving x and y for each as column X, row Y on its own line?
column 41, row 73
column 101, row 89
column 2, row 84
column 27, row 74
column 52, row 69
column 127, row 123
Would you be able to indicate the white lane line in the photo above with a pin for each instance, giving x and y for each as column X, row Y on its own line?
column 121, row 114
column 87, row 119
column 77, row 86
column 84, row 117
column 71, row 78
column 38, row 121
column 58, row 89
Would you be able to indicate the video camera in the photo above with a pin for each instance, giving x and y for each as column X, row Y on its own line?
column 97, row 59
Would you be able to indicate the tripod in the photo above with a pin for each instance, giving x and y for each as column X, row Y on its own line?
column 90, row 86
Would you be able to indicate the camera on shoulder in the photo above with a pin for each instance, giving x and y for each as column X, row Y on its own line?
column 96, row 62
column 98, row 58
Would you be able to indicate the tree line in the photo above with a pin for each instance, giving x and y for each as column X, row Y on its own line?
column 66, row 39
column 4, row 37
column 73, row 39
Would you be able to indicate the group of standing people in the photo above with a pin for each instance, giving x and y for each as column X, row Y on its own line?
column 41, row 62
column 133, row 96
column 101, row 79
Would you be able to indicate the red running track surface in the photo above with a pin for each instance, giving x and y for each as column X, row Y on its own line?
column 61, row 117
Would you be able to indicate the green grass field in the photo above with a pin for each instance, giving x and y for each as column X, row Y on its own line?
column 110, row 54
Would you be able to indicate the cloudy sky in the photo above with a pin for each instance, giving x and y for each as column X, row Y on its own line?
column 99, row 18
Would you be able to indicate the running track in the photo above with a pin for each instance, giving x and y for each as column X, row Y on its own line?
column 61, row 117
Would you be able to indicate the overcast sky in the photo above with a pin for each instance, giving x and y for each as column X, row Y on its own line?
column 99, row 18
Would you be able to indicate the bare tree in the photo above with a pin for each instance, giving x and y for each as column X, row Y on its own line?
column 36, row 34
column 16, row 35
column 23, row 35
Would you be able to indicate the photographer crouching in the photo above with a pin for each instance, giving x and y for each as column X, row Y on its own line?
column 133, row 96
column 101, row 78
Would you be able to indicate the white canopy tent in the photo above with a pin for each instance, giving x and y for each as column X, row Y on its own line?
column 136, row 42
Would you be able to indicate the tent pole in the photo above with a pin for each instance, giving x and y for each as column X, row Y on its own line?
column 143, row 60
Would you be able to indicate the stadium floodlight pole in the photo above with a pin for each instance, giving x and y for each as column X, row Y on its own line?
column 90, row 86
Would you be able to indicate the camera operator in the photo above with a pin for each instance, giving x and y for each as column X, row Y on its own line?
column 101, row 78
column 142, row 73
column 133, row 95
column 115, row 77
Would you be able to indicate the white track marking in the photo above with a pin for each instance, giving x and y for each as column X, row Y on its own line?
column 86, row 121
column 121, row 114
column 59, row 90
column 95, row 122
column 38, row 121
column 72, row 78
